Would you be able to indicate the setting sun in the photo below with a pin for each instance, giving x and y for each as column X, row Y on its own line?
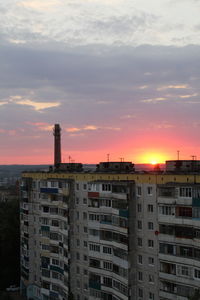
column 153, row 158
column 153, row 162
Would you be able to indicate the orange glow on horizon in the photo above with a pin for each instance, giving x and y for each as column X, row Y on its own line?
column 153, row 158
column 154, row 162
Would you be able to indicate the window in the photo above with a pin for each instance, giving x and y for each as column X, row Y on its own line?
column 166, row 210
column 84, row 200
column 184, row 271
column 85, row 286
column 85, row 229
column 106, row 187
column 78, row 284
column 46, row 285
column 54, row 184
column 55, row 262
column 94, row 217
column 54, row 210
column 77, row 215
column 139, row 224
column 85, row 244
column 85, row 186
column 107, row 265
column 77, row 242
column 140, row 276
column 184, row 211
column 85, row 258
column 77, row 186
column 107, row 250
column 140, row 293
column 55, row 223
column 150, row 243
column 197, row 273
column 45, row 209
column 185, row 192
column 105, row 202
column 151, row 296
column 46, row 273
column 139, row 191
column 45, row 247
column 77, row 270
column 56, row 275
column 149, row 190
column 77, row 255
column 94, row 247
column 151, row 260
column 150, row 225
column 94, row 232
column 139, row 207
column 151, row 278
column 150, row 207
column 77, row 200
column 54, row 249
column 44, row 221
column 84, row 216
column 85, row 272
column 139, row 242
column 107, row 281
column 140, row 259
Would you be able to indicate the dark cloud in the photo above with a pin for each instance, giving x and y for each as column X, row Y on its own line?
column 99, row 86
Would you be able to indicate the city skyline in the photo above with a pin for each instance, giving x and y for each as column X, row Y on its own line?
column 120, row 78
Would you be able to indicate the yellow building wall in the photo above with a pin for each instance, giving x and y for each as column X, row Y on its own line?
column 138, row 178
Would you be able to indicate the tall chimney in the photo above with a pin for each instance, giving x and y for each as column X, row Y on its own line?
column 57, row 145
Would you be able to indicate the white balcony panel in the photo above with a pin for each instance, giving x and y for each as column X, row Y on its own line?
column 179, row 260
column 169, row 296
column 165, row 200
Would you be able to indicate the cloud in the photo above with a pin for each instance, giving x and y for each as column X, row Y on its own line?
column 110, row 22
column 42, row 126
column 154, row 100
column 3, row 103
column 188, row 96
column 14, row 41
column 143, row 87
column 94, row 93
column 74, row 130
column 125, row 117
column 38, row 5
column 38, row 106
column 181, row 86
column 162, row 125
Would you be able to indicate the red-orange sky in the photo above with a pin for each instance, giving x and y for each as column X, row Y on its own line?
column 124, row 83
column 144, row 145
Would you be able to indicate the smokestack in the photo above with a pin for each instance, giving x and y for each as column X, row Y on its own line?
column 57, row 145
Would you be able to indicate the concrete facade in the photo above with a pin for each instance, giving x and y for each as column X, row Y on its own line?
column 110, row 236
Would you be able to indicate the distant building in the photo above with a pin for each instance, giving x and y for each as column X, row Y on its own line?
column 112, row 234
column 183, row 166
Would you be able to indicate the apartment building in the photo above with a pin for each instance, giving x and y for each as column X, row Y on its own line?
column 111, row 234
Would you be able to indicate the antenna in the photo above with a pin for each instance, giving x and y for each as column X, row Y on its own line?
column 121, row 159
column 108, row 157
column 193, row 157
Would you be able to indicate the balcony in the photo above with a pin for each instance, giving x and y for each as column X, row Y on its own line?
column 57, row 269
column 49, row 190
column 94, row 285
column 93, row 194
column 123, row 213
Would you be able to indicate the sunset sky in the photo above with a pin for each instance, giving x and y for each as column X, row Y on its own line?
column 120, row 76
